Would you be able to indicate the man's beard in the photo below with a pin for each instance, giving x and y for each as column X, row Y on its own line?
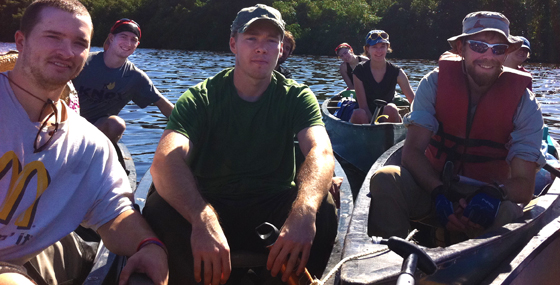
column 43, row 79
column 484, row 79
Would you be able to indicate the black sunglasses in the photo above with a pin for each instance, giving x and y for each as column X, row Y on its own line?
column 37, row 147
column 482, row 47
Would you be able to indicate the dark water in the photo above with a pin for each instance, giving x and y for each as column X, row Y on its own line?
column 174, row 71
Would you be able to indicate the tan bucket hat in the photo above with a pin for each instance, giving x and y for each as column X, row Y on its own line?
column 485, row 21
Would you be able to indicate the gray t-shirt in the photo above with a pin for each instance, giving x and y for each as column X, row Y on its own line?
column 105, row 91
column 528, row 123
column 44, row 196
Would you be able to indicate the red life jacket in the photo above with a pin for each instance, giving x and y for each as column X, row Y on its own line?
column 481, row 153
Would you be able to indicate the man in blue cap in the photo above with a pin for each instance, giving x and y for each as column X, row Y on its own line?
column 109, row 81
column 516, row 58
column 225, row 164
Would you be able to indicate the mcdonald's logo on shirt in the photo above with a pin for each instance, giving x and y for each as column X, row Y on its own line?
column 19, row 184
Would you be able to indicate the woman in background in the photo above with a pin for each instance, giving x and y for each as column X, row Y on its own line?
column 349, row 61
column 377, row 79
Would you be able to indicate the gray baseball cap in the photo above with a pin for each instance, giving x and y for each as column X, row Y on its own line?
column 485, row 21
column 249, row 15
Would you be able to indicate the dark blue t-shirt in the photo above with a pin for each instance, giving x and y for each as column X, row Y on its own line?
column 104, row 91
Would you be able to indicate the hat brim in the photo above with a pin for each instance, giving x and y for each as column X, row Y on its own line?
column 244, row 28
column 513, row 41
column 376, row 41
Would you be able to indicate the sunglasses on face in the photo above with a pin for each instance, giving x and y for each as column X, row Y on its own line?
column 482, row 47
column 375, row 35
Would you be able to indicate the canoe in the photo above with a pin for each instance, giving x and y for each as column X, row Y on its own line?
column 468, row 262
column 107, row 265
column 357, row 146
column 536, row 263
column 125, row 158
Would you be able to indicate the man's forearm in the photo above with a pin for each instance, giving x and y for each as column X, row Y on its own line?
column 123, row 234
column 421, row 169
column 416, row 162
column 165, row 106
column 520, row 187
column 314, row 179
column 180, row 191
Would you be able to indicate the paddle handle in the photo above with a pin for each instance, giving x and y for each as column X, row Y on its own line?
column 407, row 271
column 552, row 170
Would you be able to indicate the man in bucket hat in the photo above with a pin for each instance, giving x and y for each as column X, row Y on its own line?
column 109, row 81
column 225, row 164
column 480, row 117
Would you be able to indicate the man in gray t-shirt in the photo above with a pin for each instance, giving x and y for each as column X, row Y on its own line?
column 109, row 81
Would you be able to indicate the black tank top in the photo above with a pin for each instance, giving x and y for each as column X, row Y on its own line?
column 384, row 90
column 349, row 70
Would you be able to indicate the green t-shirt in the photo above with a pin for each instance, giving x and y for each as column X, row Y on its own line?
column 244, row 149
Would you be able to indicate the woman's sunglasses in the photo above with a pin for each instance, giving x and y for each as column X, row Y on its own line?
column 375, row 35
column 482, row 47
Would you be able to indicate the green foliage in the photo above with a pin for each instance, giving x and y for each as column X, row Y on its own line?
column 319, row 26
column 11, row 12
column 104, row 13
column 417, row 28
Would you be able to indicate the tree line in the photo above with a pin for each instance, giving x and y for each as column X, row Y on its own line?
column 417, row 28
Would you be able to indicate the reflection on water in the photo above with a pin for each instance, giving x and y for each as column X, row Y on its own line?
column 174, row 71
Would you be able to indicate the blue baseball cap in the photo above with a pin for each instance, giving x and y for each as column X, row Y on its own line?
column 526, row 44
column 377, row 36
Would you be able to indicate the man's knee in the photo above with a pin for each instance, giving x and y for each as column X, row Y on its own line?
column 14, row 274
column 359, row 116
column 385, row 181
column 113, row 127
column 392, row 111
column 507, row 213
column 15, row 279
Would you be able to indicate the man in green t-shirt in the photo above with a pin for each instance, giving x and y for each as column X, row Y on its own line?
column 226, row 164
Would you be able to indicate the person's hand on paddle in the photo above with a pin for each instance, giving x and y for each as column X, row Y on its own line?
column 483, row 206
column 295, row 240
column 211, row 251
column 448, row 216
column 151, row 260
